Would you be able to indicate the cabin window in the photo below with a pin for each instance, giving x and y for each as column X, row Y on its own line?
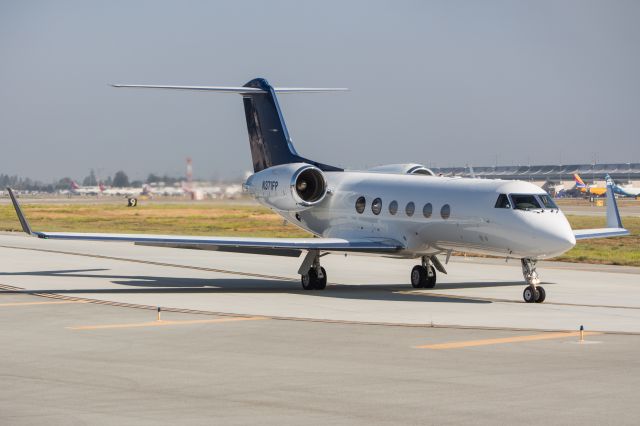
column 525, row 202
column 361, row 203
column 503, row 202
column 376, row 206
column 393, row 207
column 410, row 209
column 547, row 201
column 445, row 211
column 427, row 210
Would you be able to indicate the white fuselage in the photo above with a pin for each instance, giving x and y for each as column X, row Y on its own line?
column 474, row 224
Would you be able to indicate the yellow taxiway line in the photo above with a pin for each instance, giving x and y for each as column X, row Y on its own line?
column 162, row 323
column 497, row 341
column 57, row 302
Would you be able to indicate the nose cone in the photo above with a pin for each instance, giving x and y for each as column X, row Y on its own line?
column 561, row 240
column 557, row 236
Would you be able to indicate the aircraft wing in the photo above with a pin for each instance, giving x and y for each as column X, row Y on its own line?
column 272, row 246
column 614, row 223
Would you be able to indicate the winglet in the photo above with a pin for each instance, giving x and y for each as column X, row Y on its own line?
column 613, row 215
column 23, row 220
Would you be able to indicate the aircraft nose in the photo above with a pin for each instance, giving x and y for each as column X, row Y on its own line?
column 561, row 239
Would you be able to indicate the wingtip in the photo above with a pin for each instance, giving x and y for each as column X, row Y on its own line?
column 23, row 220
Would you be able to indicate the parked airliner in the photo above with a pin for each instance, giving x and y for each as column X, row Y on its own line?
column 398, row 210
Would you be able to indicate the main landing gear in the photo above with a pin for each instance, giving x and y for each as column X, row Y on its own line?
column 533, row 292
column 312, row 275
column 423, row 276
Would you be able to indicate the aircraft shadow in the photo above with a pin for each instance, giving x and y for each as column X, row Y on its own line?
column 140, row 284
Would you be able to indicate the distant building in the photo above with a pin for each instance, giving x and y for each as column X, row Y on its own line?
column 621, row 172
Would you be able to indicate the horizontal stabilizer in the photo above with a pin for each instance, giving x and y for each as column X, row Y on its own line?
column 586, row 234
column 614, row 223
column 240, row 90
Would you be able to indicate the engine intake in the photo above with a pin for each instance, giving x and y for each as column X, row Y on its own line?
column 308, row 184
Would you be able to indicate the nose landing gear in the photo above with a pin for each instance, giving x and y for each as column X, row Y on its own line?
column 533, row 293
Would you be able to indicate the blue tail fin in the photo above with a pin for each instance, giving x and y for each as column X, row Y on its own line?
column 268, row 135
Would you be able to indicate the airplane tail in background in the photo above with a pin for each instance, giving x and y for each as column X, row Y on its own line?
column 579, row 182
column 74, row 185
column 269, row 138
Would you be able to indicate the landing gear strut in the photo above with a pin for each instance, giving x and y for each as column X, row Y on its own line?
column 533, row 292
column 312, row 275
column 423, row 276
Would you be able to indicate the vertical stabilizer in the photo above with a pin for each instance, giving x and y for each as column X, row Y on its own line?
column 269, row 138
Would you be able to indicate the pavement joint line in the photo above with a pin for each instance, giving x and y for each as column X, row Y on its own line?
column 57, row 302
column 162, row 323
column 503, row 340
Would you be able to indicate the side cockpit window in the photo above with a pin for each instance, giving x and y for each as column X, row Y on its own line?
column 525, row 202
column 548, row 202
column 503, row 202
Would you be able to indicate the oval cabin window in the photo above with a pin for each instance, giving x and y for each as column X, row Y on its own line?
column 445, row 211
column 427, row 210
column 410, row 209
column 393, row 207
column 376, row 206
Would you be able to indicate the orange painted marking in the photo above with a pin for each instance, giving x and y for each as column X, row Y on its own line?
column 163, row 323
column 514, row 339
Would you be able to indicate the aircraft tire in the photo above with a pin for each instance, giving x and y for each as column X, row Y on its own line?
column 418, row 276
column 430, row 281
column 541, row 294
column 529, row 294
column 321, row 284
column 309, row 280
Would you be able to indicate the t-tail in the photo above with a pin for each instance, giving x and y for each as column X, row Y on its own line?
column 269, row 138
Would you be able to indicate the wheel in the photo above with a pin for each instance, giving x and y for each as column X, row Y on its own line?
column 541, row 294
column 321, row 283
column 430, row 281
column 309, row 280
column 418, row 276
column 529, row 294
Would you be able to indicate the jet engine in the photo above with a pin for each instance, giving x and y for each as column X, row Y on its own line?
column 403, row 169
column 290, row 187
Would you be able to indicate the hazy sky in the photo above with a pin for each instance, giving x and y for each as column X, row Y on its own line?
column 436, row 82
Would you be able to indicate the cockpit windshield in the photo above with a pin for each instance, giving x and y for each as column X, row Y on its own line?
column 548, row 202
column 525, row 202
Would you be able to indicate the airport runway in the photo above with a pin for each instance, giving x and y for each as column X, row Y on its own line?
column 239, row 342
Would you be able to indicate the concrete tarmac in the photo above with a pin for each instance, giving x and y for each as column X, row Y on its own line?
column 475, row 293
column 262, row 350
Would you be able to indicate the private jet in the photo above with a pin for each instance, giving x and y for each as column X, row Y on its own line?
column 397, row 210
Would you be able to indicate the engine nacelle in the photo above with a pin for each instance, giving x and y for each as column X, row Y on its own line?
column 291, row 187
column 403, row 169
